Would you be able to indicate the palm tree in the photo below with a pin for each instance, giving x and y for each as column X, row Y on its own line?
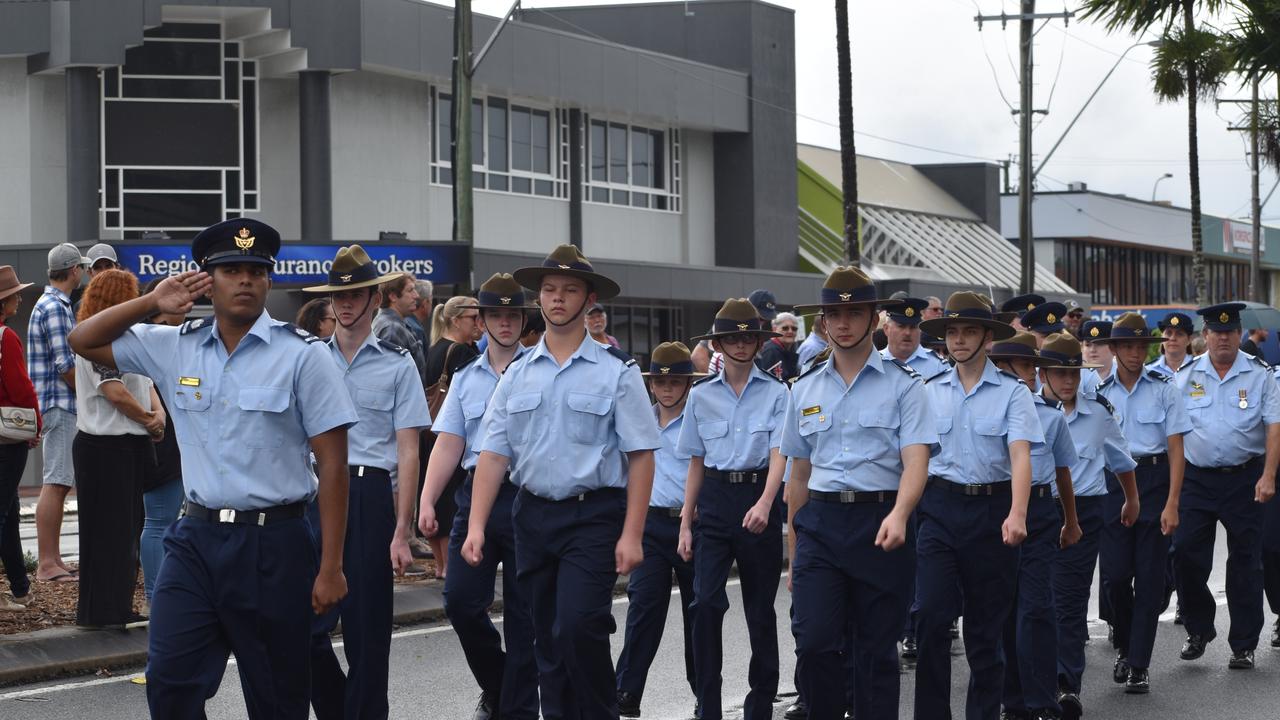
column 1190, row 64
column 1255, row 53
column 848, row 155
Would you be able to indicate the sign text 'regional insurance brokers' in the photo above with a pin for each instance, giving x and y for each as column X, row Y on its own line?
column 303, row 264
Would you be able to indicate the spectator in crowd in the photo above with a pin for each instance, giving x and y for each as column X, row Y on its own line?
column 317, row 318
column 118, row 420
column 813, row 344
column 455, row 328
column 420, row 319
column 778, row 357
column 52, row 368
column 934, row 310
column 399, row 298
column 534, row 327
column 1253, row 343
column 16, row 390
column 1198, row 346
column 162, row 490
column 597, row 321
column 1074, row 319
column 100, row 257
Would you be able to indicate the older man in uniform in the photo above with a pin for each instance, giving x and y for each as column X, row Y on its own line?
column 903, row 333
column 1232, row 452
column 251, row 398
column 974, row 512
column 572, row 420
column 1042, row 321
column 387, row 391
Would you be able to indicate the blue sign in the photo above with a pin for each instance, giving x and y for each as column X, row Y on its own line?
column 299, row 264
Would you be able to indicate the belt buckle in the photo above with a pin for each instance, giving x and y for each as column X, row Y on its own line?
column 735, row 476
column 880, row 496
column 360, row 471
column 226, row 515
column 848, row 496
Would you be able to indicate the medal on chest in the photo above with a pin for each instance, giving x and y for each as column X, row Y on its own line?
column 1244, row 400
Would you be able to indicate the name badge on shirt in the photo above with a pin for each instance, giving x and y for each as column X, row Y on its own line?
column 189, row 381
column 811, row 410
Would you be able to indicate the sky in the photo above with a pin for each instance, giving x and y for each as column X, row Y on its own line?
column 928, row 86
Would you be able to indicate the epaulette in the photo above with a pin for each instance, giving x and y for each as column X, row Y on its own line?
column 1157, row 375
column 1260, row 361
column 388, row 345
column 822, row 355
column 193, row 325
column 1191, row 360
column 906, row 368
column 468, row 362
column 775, row 378
column 816, row 365
column 708, row 378
column 294, row 329
column 625, row 358
column 1051, row 402
column 1010, row 375
column 935, row 376
column 1104, row 403
column 1106, row 383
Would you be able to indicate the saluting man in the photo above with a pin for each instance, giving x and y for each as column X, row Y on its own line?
column 1232, row 452
column 1099, row 444
column 508, row 680
column 903, row 332
column 1134, row 558
column 671, row 373
column 571, row 419
column 732, row 432
column 1030, row 634
column 387, row 391
column 251, row 398
column 859, row 432
column 974, row 512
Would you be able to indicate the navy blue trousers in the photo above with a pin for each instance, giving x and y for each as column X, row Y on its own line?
column 1073, row 569
column 718, row 540
column 962, row 563
column 1271, row 554
column 232, row 588
column 1209, row 498
column 1104, row 581
column 840, row 579
column 1136, row 562
column 1030, row 633
column 565, row 562
column 649, row 592
column 850, row 660
column 509, row 678
column 365, row 612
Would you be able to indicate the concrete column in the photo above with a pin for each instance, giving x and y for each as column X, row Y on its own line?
column 84, row 110
column 315, row 155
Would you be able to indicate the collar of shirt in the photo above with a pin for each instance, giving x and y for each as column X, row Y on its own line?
column 756, row 374
column 1082, row 407
column 1240, row 365
column 673, row 424
column 990, row 375
column 875, row 361
column 261, row 329
column 484, row 364
column 588, row 350
column 51, row 290
column 370, row 341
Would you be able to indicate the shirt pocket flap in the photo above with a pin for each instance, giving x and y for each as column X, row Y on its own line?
column 264, row 399
column 1201, row 401
column 814, row 423
column 942, row 424
column 880, row 416
column 191, row 400
column 1087, row 450
column 1149, row 414
column 473, row 410
column 374, row 399
column 590, row 403
column 713, row 429
column 523, row 402
column 990, row 426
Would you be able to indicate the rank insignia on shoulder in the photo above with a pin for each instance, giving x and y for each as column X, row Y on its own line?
column 302, row 333
column 192, row 325
column 625, row 358
column 811, row 410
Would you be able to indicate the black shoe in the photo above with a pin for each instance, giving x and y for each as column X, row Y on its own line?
column 1193, row 648
column 1008, row 714
column 955, row 629
column 697, row 710
column 797, row 711
column 1139, row 683
column 1241, row 660
column 1120, row 671
column 628, row 704
column 1071, row 706
column 1275, row 635
column 909, row 649
column 848, row 715
column 484, row 708
column 1177, row 615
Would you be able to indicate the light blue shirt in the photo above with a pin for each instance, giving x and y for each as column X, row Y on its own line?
column 1099, row 443
column 976, row 427
column 388, row 396
column 812, row 345
column 1161, row 366
column 730, row 432
column 1149, row 414
column 670, row 466
column 1223, row 433
column 243, row 421
column 923, row 361
column 567, row 429
column 1057, row 450
column 465, row 403
column 854, row 435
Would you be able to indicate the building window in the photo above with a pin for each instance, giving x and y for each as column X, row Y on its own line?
column 631, row 165
column 640, row 328
column 515, row 148
column 179, row 133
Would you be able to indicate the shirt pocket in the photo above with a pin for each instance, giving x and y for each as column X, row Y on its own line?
column 588, row 417
column 261, row 415
column 194, row 407
column 1199, row 408
column 942, row 424
column 375, row 410
column 877, row 433
column 989, row 439
column 1150, row 415
column 521, row 408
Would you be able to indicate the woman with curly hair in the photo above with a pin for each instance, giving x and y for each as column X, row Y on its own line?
column 118, row 417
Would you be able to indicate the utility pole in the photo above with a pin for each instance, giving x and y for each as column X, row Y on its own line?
column 1255, row 165
column 848, row 154
column 1026, row 182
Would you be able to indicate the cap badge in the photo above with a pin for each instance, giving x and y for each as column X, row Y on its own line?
column 1052, row 318
column 742, row 326
column 564, row 267
column 664, row 370
column 1031, row 306
column 244, row 240
column 1174, row 320
column 909, row 312
column 953, row 314
column 843, row 296
column 1093, row 332
column 1224, row 318
column 505, row 300
column 344, row 278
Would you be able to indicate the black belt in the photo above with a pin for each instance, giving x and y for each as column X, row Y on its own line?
column 1228, row 469
column 735, row 477
column 576, row 498
column 665, row 512
column 244, row 517
column 985, row 489
column 847, row 497
column 361, row 471
column 1158, row 459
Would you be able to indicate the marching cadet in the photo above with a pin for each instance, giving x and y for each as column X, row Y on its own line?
column 250, row 399
column 508, row 680
column 1134, row 558
column 670, row 375
column 1020, row 305
column 859, row 433
column 1093, row 336
column 1099, row 444
column 1030, row 634
column 903, row 333
column 1232, row 452
column 732, row 432
column 973, row 514
column 1042, row 321
column 1177, row 330
column 572, row 420
column 387, row 391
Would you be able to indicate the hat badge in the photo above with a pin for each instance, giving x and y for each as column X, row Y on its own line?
column 1224, row 318
column 244, row 240
column 909, row 312
column 505, row 300
column 1174, row 320
column 1093, row 332
column 664, row 370
column 1031, row 306
column 742, row 326
column 1052, row 318
column 846, row 296
column 564, row 267
column 344, row 278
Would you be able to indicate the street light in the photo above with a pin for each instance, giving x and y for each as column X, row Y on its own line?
column 1165, row 176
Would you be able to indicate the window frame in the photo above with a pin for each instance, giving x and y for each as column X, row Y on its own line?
column 671, row 162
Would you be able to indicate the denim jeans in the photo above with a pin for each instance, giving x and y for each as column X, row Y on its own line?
column 161, row 507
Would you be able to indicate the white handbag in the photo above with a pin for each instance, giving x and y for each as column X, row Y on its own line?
column 17, row 424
